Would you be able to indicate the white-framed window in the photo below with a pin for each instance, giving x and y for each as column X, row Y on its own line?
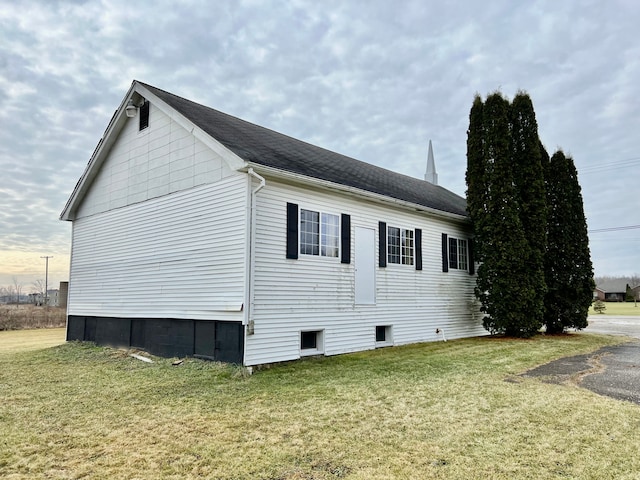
column 458, row 254
column 319, row 233
column 383, row 335
column 400, row 245
column 311, row 342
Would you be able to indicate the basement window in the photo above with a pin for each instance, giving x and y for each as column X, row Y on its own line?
column 311, row 342
column 144, row 116
column 383, row 335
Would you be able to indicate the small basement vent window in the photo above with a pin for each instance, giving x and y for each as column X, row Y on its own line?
column 144, row 115
column 383, row 335
column 311, row 342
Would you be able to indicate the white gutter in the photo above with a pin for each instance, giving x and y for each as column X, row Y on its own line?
column 252, row 220
column 263, row 182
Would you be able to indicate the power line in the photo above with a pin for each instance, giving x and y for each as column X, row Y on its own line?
column 609, row 166
column 614, row 229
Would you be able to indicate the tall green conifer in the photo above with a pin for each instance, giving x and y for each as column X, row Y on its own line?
column 568, row 267
column 504, row 286
column 529, row 225
column 528, row 177
column 475, row 176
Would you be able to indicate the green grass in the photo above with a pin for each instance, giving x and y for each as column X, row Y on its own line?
column 13, row 341
column 436, row 410
column 619, row 308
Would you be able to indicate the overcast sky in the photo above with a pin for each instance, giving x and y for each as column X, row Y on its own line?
column 374, row 80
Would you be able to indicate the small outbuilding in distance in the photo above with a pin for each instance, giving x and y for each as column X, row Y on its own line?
column 197, row 233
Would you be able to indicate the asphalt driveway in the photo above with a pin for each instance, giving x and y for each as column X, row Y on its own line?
column 612, row 371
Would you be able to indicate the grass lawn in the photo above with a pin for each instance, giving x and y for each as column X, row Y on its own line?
column 13, row 341
column 439, row 410
column 618, row 308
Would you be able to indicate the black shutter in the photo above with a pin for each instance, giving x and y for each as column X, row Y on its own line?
column 445, row 255
column 382, row 244
column 345, row 238
column 472, row 267
column 144, row 116
column 292, row 230
column 418, row 249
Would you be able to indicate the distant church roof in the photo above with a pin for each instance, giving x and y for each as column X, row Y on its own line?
column 431, row 176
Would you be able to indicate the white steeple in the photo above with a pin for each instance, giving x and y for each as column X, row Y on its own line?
column 431, row 176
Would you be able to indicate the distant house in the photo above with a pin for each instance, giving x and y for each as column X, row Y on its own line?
column 614, row 290
column 52, row 298
column 197, row 233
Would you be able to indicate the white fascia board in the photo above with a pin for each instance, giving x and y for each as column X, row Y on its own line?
column 234, row 162
column 97, row 158
column 356, row 192
column 111, row 134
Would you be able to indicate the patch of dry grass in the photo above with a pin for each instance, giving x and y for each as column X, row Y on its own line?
column 438, row 410
column 26, row 316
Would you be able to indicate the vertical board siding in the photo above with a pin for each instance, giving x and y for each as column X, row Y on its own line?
column 161, row 159
column 317, row 293
column 177, row 256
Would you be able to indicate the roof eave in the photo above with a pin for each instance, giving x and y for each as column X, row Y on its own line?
column 358, row 192
column 99, row 153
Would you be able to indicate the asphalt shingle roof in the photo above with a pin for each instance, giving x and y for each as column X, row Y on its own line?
column 614, row 285
column 262, row 146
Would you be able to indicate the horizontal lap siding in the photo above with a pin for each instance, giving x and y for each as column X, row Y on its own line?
column 163, row 158
column 317, row 293
column 178, row 256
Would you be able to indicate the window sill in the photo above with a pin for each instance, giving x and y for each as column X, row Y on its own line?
column 310, row 352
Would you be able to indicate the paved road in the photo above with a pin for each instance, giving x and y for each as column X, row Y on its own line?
column 621, row 325
column 612, row 371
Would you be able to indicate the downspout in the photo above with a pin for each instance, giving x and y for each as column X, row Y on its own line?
column 252, row 208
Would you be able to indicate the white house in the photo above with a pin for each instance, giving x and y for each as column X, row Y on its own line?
column 197, row 233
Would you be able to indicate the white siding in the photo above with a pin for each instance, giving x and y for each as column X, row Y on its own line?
column 317, row 293
column 161, row 159
column 178, row 256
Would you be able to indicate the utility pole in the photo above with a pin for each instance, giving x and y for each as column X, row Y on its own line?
column 46, row 280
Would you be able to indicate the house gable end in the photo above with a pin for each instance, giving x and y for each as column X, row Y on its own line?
column 132, row 164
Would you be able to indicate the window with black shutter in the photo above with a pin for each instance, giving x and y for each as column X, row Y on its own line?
column 144, row 115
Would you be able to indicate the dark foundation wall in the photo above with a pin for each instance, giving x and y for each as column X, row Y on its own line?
column 165, row 337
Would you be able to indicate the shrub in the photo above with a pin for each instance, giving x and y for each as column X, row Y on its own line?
column 599, row 306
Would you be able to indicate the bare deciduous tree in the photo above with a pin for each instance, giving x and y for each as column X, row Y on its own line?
column 17, row 286
column 38, row 288
column 10, row 294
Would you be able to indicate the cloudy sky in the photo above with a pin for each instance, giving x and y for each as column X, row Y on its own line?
column 374, row 80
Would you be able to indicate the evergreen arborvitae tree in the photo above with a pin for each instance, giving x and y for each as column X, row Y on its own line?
column 628, row 296
column 568, row 267
column 504, row 285
column 529, row 182
column 475, row 176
